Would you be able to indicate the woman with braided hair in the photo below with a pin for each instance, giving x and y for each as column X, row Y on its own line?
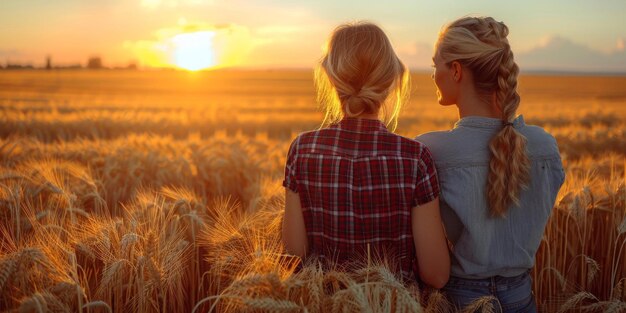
column 499, row 177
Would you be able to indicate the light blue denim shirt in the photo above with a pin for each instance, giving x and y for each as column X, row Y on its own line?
column 486, row 246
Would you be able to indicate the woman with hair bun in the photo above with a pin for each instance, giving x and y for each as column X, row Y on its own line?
column 354, row 187
column 499, row 177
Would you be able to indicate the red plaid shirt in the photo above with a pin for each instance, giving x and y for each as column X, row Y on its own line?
column 357, row 183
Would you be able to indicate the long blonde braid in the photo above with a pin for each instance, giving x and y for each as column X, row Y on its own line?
column 480, row 44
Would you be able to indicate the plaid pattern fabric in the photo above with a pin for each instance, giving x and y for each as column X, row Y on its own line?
column 357, row 183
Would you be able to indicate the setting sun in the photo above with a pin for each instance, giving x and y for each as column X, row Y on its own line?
column 193, row 46
column 194, row 51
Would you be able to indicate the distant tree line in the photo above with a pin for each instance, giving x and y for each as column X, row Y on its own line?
column 93, row 63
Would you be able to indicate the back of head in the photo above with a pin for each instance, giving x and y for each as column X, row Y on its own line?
column 480, row 44
column 358, row 73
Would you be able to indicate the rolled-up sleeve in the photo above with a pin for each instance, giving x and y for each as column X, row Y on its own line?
column 427, row 186
column 290, row 180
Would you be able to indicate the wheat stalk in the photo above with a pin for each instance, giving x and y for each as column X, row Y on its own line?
column 575, row 300
column 7, row 268
column 95, row 304
column 483, row 304
column 35, row 302
column 270, row 305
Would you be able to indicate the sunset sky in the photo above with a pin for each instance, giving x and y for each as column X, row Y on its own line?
column 572, row 35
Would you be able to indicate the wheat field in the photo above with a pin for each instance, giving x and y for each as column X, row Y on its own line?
column 160, row 191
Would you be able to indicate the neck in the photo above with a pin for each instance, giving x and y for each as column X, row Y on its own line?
column 473, row 105
column 368, row 116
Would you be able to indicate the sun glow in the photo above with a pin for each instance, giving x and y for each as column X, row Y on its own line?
column 194, row 51
column 194, row 46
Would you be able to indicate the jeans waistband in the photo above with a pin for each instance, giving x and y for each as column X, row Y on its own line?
column 493, row 281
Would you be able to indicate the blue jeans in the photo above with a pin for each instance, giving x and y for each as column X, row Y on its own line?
column 513, row 294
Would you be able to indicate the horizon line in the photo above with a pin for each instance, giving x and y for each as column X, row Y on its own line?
column 416, row 70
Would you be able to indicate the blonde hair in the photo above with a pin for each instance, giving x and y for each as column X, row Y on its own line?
column 480, row 44
column 357, row 74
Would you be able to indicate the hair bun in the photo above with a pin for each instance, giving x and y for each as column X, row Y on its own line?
column 359, row 72
column 361, row 102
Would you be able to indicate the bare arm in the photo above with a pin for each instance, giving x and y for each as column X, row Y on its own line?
column 430, row 244
column 294, row 229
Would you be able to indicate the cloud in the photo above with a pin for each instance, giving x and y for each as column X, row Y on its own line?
column 286, row 45
column 266, row 46
column 551, row 53
column 417, row 55
column 154, row 4
column 561, row 54
column 273, row 30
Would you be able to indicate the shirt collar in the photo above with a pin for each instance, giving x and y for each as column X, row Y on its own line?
column 487, row 122
column 361, row 124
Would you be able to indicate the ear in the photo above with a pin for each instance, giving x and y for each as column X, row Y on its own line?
column 457, row 71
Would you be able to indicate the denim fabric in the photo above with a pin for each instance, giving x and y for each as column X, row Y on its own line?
column 486, row 246
column 513, row 294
